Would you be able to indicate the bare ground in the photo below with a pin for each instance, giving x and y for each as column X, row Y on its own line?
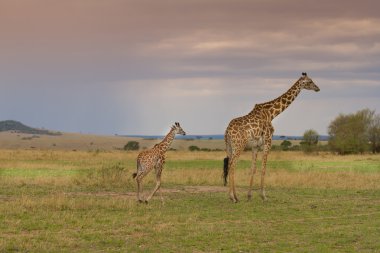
column 185, row 189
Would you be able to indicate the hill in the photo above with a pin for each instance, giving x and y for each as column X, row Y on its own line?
column 18, row 127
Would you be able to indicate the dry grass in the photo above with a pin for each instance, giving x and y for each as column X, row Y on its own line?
column 278, row 178
column 185, row 168
column 89, row 142
column 66, row 201
column 326, row 178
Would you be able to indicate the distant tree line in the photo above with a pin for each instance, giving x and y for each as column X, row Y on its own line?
column 353, row 133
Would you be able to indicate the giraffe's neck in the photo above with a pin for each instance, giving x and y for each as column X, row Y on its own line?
column 167, row 141
column 278, row 105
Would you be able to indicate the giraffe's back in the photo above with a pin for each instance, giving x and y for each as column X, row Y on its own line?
column 250, row 127
column 149, row 156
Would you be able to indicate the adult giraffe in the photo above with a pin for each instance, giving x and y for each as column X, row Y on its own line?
column 257, row 126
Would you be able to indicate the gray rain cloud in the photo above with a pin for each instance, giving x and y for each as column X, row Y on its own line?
column 135, row 67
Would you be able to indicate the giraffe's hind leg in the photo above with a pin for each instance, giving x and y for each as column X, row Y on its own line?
column 231, row 168
column 158, row 169
column 139, row 189
column 141, row 173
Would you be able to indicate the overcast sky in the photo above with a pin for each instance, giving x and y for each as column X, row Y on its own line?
column 136, row 67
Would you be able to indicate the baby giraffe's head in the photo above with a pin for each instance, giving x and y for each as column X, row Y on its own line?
column 178, row 129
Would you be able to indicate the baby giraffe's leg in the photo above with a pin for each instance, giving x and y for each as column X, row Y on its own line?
column 158, row 181
column 142, row 171
column 139, row 189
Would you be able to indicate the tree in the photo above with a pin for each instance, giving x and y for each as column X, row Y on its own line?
column 351, row 133
column 310, row 141
column 374, row 134
column 285, row 145
column 132, row 145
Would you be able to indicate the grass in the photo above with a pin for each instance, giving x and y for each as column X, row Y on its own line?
column 65, row 201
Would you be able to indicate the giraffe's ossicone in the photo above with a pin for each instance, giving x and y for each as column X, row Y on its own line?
column 257, row 127
column 154, row 158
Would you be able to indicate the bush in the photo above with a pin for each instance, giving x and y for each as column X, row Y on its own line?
column 285, row 145
column 349, row 134
column 310, row 141
column 132, row 145
column 194, row 148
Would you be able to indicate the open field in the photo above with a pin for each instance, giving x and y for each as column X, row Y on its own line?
column 84, row 201
column 90, row 142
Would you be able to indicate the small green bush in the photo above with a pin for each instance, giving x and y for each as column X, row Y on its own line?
column 285, row 145
column 132, row 145
column 194, row 148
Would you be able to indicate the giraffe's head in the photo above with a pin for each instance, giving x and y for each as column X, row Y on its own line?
column 178, row 129
column 307, row 83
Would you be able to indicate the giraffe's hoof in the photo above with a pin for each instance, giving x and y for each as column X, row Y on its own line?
column 263, row 197
column 146, row 201
column 234, row 200
column 249, row 196
column 140, row 201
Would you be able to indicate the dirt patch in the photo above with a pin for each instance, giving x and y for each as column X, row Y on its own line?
column 185, row 189
column 198, row 189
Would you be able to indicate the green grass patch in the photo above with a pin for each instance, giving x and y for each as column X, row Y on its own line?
column 84, row 202
column 39, row 172
column 367, row 166
column 292, row 220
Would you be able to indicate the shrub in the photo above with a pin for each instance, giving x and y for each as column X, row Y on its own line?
column 350, row 133
column 132, row 145
column 285, row 145
column 310, row 141
column 194, row 148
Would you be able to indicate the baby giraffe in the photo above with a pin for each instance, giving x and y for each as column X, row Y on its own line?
column 154, row 158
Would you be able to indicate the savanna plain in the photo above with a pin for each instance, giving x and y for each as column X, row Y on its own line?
column 84, row 201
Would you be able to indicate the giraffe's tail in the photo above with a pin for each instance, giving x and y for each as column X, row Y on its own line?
column 225, row 170
column 134, row 175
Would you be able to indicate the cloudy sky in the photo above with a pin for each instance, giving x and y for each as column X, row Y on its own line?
column 137, row 66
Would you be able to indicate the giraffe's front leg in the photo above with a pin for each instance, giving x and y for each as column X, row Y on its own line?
column 253, row 171
column 267, row 147
column 263, row 171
